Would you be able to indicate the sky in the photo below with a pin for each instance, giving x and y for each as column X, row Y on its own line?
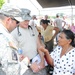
column 36, row 9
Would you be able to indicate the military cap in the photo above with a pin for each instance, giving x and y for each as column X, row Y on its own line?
column 12, row 11
column 25, row 14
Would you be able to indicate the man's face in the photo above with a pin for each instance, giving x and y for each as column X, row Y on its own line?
column 13, row 23
column 24, row 24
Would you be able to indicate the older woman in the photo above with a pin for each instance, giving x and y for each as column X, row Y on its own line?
column 63, row 56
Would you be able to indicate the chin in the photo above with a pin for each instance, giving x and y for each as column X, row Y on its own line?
column 59, row 44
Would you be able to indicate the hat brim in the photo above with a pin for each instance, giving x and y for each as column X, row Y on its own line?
column 19, row 19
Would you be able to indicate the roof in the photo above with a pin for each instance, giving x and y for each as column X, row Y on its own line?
column 55, row 3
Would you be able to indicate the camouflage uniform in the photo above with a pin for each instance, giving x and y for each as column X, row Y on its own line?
column 8, row 51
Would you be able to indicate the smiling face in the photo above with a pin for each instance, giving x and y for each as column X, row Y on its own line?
column 62, row 40
column 24, row 24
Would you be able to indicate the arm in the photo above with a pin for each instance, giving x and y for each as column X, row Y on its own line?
column 54, row 23
column 64, row 23
column 42, row 63
column 49, row 59
column 37, row 67
column 56, row 32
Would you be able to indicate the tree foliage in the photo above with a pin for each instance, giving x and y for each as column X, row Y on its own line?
column 1, row 3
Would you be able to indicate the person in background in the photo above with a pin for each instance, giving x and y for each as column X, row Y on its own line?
column 65, row 19
column 48, row 38
column 46, row 18
column 72, row 28
column 33, row 21
column 62, row 57
column 58, row 23
column 27, row 39
column 9, row 62
column 47, row 33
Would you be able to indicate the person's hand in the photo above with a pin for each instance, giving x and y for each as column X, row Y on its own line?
column 21, row 57
column 43, row 49
column 41, row 65
column 35, row 67
column 25, row 61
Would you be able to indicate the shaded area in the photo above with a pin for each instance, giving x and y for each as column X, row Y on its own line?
column 55, row 3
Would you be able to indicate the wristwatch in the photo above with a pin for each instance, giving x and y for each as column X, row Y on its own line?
column 29, row 65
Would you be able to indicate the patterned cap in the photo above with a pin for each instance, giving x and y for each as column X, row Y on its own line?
column 11, row 11
column 25, row 14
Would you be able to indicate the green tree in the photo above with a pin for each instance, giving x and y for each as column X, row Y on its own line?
column 1, row 3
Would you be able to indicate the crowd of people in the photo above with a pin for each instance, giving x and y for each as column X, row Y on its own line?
column 26, row 49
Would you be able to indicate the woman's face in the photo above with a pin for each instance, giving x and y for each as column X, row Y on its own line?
column 62, row 40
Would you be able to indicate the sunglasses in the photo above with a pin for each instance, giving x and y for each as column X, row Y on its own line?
column 15, row 20
column 12, row 18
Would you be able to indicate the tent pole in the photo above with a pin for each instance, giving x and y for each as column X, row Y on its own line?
column 35, row 7
column 71, row 15
column 71, row 11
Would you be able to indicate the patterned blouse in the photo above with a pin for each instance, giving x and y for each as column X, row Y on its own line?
column 64, row 65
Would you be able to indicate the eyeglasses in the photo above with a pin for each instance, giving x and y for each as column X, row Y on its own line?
column 12, row 18
column 15, row 20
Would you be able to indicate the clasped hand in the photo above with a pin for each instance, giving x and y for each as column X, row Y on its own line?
column 36, row 67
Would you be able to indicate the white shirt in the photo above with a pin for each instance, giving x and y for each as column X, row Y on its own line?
column 58, row 23
column 27, row 42
column 33, row 22
column 64, row 65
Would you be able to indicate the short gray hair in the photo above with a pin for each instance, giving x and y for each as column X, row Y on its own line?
column 2, row 16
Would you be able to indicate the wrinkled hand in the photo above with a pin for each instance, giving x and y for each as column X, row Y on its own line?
column 41, row 65
column 35, row 67
column 43, row 49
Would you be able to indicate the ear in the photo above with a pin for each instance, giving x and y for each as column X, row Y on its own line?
column 70, row 41
column 8, row 20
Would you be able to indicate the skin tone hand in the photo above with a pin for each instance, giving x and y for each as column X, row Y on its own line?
column 43, row 49
column 21, row 57
column 34, row 67
column 48, row 57
column 41, row 65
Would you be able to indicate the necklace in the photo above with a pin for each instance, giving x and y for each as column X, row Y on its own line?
column 63, row 53
column 68, row 49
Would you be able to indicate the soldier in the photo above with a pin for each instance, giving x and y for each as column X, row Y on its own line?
column 9, row 15
column 27, row 39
